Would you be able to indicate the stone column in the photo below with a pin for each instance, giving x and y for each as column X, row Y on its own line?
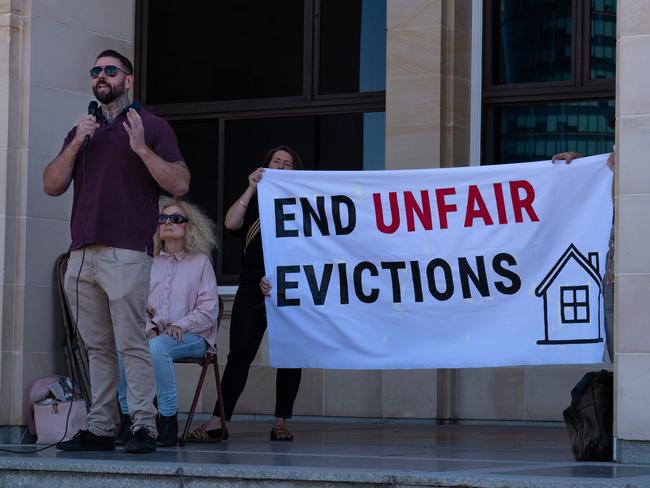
column 632, row 289
column 427, row 126
column 11, row 237
column 428, row 83
column 455, row 82
column 413, row 83
column 46, row 49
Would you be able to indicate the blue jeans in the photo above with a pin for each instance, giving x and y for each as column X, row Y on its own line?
column 164, row 349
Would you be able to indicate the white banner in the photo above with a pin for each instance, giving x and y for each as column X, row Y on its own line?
column 442, row 268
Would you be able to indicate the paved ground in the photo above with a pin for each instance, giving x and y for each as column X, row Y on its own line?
column 339, row 454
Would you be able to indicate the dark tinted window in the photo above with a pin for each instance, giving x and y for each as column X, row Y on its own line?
column 224, row 50
column 561, row 56
column 199, row 143
column 260, row 68
column 536, row 132
column 352, row 46
column 533, row 41
column 603, row 39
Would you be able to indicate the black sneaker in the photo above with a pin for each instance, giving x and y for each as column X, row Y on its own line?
column 167, row 431
column 124, row 433
column 141, row 442
column 84, row 440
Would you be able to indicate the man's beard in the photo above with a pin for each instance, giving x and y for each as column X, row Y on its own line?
column 111, row 95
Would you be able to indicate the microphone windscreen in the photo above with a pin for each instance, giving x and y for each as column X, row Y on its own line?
column 93, row 107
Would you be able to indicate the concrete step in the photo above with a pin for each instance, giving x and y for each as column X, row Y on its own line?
column 335, row 455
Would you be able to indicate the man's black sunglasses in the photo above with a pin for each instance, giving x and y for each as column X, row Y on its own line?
column 173, row 218
column 109, row 70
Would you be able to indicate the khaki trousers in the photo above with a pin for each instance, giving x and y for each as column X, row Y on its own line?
column 111, row 297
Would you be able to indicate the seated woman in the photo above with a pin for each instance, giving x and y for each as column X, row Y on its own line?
column 182, row 309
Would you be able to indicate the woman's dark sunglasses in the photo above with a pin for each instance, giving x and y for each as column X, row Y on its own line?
column 109, row 70
column 173, row 218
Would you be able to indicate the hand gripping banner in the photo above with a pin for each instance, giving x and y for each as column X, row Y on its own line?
column 441, row 268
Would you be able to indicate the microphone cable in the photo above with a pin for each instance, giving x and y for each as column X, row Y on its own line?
column 76, row 316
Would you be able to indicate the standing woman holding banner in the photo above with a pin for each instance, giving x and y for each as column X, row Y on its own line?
column 248, row 321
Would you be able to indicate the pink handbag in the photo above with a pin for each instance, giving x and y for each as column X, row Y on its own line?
column 50, row 418
column 38, row 391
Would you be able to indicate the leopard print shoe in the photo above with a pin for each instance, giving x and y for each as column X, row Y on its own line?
column 200, row 434
column 280, row 433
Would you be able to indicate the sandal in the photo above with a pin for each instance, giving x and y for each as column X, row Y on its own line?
column 280, row 433
column 200, row 434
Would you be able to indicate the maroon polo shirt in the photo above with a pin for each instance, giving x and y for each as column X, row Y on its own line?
column 116, row 202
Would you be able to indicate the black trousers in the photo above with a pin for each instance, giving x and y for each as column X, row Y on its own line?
column 247, row 327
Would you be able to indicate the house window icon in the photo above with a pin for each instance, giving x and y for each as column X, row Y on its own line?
column 574, row 304
column 572, row 294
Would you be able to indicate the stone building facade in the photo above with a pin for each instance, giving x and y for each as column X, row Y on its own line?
column 432, row 119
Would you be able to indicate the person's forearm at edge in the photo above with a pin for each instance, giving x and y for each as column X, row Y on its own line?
column 235, row 215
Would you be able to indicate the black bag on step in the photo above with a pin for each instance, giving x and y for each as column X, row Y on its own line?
column 590, row 417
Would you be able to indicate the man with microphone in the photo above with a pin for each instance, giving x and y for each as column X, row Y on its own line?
column 119, row 159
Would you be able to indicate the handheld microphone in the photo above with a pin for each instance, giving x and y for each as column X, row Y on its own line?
column 93, row 108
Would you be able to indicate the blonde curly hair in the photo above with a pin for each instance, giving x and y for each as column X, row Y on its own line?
column 200, row 231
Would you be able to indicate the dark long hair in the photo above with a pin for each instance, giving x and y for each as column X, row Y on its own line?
column 297, row 162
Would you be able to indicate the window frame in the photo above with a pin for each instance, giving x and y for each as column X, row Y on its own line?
column 309, row 103
column 579, row 87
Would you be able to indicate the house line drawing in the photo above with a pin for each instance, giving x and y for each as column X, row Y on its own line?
column 573, row 307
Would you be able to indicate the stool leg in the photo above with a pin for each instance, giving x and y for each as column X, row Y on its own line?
column 199, row 386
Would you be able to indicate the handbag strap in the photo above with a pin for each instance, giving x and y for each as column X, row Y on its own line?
column 253, row 230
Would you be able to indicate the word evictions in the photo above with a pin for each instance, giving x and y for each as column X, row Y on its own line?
column 420, row 207
column 436, row 278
